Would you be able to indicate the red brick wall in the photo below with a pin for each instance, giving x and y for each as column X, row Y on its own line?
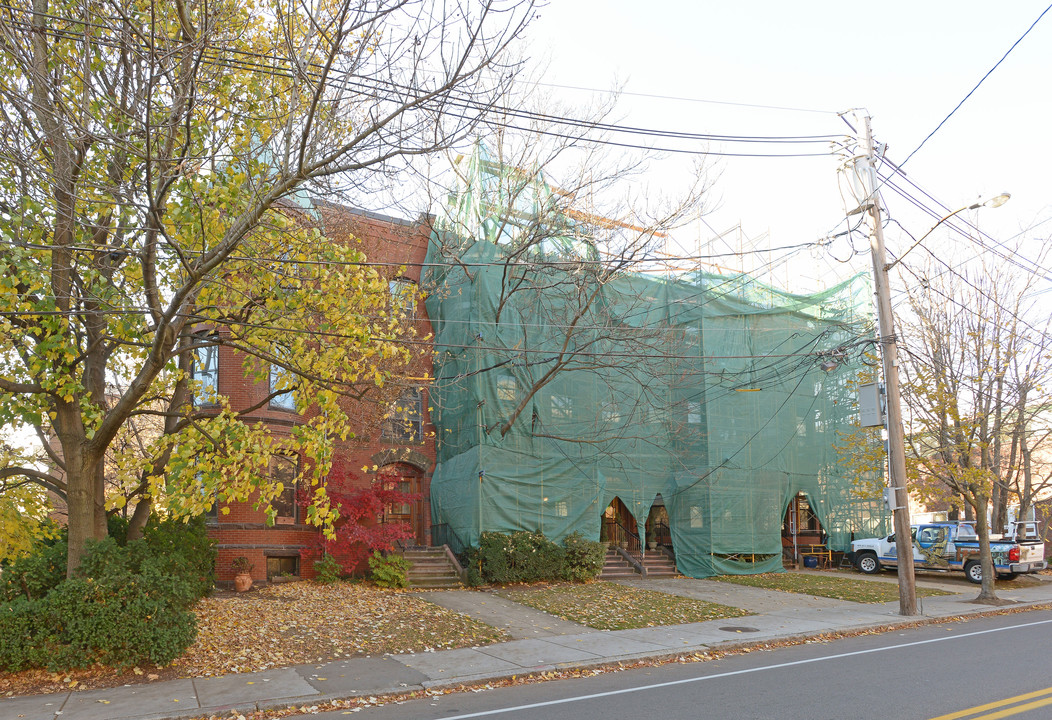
column 242, row 532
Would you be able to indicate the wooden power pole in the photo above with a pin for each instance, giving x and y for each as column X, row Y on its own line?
column 890, row 353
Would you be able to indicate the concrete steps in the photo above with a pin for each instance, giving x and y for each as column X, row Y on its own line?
column 656, row 564
column 431, row 568
column 616, row 566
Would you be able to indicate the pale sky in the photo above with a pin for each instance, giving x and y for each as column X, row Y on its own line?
column 908, row 63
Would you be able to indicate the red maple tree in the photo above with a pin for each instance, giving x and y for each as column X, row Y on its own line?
column 361, row 528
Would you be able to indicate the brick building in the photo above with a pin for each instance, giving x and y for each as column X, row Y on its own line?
column 399, row 442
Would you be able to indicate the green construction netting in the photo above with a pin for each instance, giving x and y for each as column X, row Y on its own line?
column 559, row 387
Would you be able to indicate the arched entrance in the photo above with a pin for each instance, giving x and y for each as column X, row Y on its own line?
column 657, row 527
column 411, row 480
column 619, row 527
column 802, row 533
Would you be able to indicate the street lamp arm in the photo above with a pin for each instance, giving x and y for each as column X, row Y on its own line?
column 996, row 201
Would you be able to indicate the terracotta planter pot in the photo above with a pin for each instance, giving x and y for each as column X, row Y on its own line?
column 242, row 582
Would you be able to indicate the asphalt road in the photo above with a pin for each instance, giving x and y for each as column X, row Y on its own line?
column 980, row 669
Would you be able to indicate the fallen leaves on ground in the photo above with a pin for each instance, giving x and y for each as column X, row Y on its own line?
column 299, row 623
column 830, row 586
column 609, row 606
column 281, row 625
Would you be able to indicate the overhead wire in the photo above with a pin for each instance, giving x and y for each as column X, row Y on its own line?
column 981, row 80
column 952, row 223
column 372, row 85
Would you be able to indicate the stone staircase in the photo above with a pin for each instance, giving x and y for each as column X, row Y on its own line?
column 656, row 564
column 616, row 566
column 659, row 565
column 432, row 567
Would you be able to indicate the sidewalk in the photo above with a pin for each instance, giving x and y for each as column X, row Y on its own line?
column 542, row 643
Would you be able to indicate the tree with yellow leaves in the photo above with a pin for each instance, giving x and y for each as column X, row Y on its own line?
column 974, row 342
column 153, row 182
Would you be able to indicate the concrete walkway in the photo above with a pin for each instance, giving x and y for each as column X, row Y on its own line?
column 543, row 643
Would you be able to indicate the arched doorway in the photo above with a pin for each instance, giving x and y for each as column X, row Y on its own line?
column 657, row 527
column 619, row 527
column 411, row 480
column 801, row 529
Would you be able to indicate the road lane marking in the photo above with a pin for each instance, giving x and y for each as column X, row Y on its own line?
column 1000, row 704
column 672, row 683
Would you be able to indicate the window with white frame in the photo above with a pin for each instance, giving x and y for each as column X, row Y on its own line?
column 562, row 407
column 694, row 412
column 697, row 517
column 507, row 388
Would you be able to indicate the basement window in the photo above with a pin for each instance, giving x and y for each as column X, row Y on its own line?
column 283, row 567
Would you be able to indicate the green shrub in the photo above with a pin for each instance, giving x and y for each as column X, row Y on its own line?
column 128, row 603
column 471, row 561
column 584, row 558
column 187, row 550
column 531, row 557
column 327, row 570
column 35, row 575
column 389, row 571
column 520, row 557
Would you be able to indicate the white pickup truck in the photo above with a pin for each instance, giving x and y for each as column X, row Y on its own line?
column 955, row 546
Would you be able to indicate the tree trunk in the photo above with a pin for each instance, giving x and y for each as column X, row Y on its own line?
column 137, row 524
column 982, row 528
column 83, row 513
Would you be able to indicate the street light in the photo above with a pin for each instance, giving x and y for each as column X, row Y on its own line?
column 899, row 497
column 994, row 202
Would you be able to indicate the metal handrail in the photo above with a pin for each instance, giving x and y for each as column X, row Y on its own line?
column 443, row 534
column 622, row 537
column 661, row 533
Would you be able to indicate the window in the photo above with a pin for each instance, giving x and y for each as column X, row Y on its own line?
column 562, row 407
column 204, row 369
column 694, row 412
column 806, row 521
column 285, row 469
column 507, row 388
column 280, row 378
column 400, row 512
column 403, row 297
column 697, row 517
column 610, row 413
column 211, row 515
column 283, row 567
column 404, row 422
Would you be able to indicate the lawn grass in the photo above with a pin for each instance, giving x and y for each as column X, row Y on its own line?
column 609, row 606
column 830, row 586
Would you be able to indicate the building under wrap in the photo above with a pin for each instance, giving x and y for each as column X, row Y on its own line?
column 566, row 390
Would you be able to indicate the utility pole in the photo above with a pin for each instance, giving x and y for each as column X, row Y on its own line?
column 890, row 353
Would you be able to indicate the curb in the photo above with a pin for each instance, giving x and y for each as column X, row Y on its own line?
column 467, row 681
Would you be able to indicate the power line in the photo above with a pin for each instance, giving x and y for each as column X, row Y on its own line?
column 372, row 85
column 694, row 100
column 1012, row 257
column 988, row 72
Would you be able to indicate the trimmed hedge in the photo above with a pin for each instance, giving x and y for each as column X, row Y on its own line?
column 531, row 557
column 127, row 604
